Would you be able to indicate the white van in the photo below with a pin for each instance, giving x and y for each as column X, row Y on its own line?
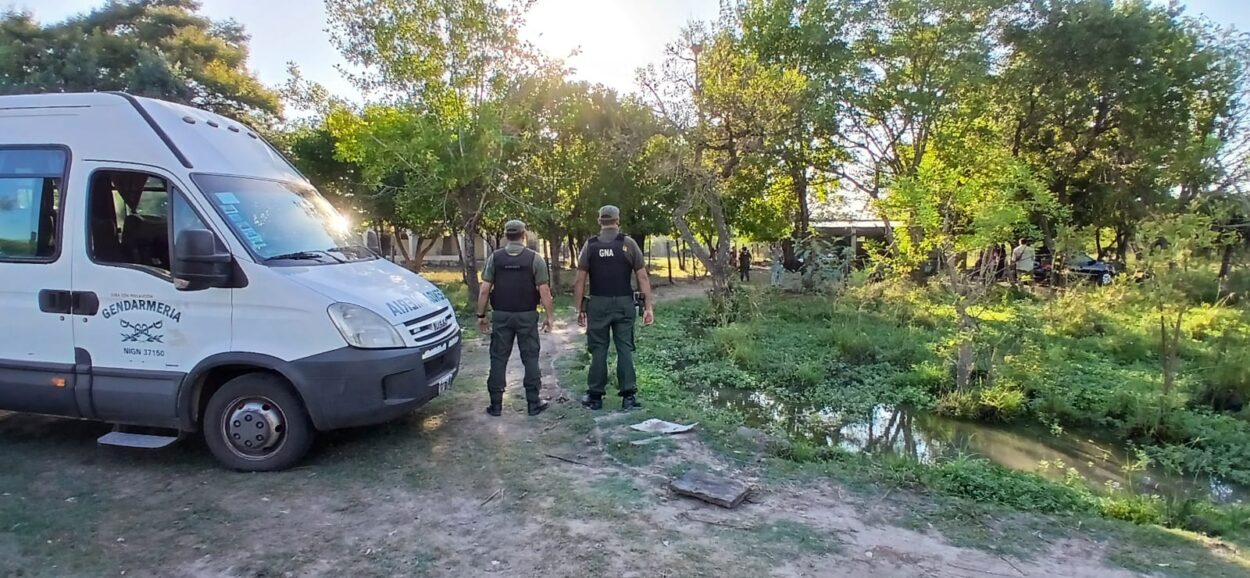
column 166, row 268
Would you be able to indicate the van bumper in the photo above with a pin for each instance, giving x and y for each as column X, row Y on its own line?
column 351, row 387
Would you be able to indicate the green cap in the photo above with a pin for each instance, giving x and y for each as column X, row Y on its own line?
column 609, row 212
column 514, row 226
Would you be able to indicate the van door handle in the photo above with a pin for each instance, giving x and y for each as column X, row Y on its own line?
column 54, row 301
column 84, row 303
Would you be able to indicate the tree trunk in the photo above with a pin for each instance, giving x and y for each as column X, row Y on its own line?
column 554, row 242
column 574, row 251
column 1048, row 232
column 418, row 261
column 403, row 247
column 716, row 265
column 1165, row 353
column 965, row 351
column 668, row 254
column 471, row 206
column 790, row 257
column 803, row 219
column 1226, row 268
column 1170, row 348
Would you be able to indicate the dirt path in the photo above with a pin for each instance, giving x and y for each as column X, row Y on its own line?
column 450, row 491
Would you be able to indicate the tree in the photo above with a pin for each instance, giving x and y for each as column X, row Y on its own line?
column 156, row 48
column 814, row 38
column 967, row 194
column 721, row 104
column 579, row 149
column 1122, row 104
column 915, row 60
column 448, row 68
column 1171, row 242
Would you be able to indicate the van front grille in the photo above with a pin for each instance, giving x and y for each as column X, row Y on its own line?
column 433, row 327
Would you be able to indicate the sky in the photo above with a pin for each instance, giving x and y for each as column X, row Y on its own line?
column 613, row 37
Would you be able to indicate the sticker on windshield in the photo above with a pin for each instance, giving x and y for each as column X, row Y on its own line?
column 252, row 236
column 227, row 199
column 230, row 209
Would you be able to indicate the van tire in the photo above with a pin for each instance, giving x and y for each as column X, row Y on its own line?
column 278, row 414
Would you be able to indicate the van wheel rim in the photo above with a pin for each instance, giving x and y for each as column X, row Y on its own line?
column 1106, row 278
column 254, row 427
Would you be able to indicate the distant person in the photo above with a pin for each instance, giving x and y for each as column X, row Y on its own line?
column 515, row 280
column 1023, row 260
column 607, row 263
column 733, row 257
column 778, row 266
column 744, row 265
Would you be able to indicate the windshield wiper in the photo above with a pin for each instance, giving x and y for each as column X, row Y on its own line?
column 297, row 256
column 357, row 251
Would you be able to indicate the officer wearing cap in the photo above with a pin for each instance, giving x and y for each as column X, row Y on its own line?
column 608, row 263
column 514, row 281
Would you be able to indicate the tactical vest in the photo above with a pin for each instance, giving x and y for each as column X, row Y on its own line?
column 514, row 288
column 610, row 269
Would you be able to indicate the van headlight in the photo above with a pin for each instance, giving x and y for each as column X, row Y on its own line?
column 363, row 328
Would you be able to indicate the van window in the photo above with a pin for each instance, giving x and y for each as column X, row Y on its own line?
column 30, row 202
column 283, row 222
column 130, row 215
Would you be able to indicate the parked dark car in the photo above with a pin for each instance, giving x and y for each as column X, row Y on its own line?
column 1079, row 265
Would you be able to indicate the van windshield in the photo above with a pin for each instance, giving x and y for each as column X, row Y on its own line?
column 283, row 223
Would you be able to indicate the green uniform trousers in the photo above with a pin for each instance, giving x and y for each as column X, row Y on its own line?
column 611, row 319
column 522, row 327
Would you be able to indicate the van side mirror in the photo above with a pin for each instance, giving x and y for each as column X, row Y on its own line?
column 200, row 262
column 372, row 242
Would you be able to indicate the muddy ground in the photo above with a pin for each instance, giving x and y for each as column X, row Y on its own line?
column 450, row 491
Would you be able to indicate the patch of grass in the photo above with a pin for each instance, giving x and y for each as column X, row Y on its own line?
column 1084, row 359
column 638, row 455
column 611, row 498
column 784, row 537
column 1160, row 551
column 678, row 470
column 969, row 524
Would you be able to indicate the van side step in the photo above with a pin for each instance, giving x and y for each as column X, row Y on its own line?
column 134, row 440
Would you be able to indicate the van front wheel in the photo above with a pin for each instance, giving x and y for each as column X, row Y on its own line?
column 254, row 423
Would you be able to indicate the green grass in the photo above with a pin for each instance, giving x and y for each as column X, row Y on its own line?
column 1083, row 359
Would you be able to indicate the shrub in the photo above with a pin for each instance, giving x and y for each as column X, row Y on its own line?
column 1135, row 508
column 1001, row 402
column 717, row 375
column 980, row 480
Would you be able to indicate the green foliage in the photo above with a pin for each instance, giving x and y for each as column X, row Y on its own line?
column 156, row 48
column 982, row 481
column 445, row 131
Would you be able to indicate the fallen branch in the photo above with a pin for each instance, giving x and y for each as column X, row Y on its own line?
column 492, row 497
column 954, row 565
column 1013, row 566
column 568, row 460
column 552, row 426
column 687, row 516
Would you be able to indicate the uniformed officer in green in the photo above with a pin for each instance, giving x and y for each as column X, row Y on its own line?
column 514, row 281
column 608, row 262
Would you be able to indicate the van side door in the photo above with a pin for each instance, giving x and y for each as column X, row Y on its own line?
column 146, row 334
column 37, row 343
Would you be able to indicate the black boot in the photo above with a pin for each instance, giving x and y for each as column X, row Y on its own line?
column 537, row 407
column 496, row 404
column 592, row 402
column 629, row 402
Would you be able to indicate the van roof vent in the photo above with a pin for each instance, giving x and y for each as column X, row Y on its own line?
column 213, row 123
column 188, row 120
